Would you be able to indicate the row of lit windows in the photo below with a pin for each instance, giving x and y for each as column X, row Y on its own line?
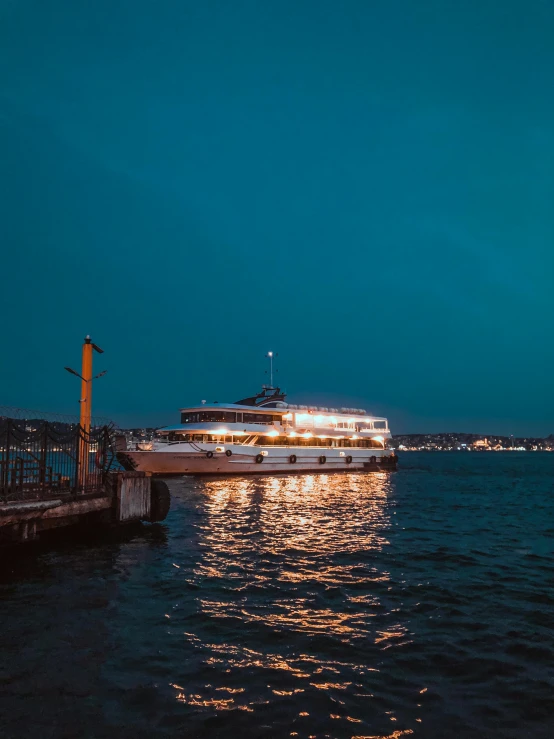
column 216, row 416
column 314, row 441
column 220, row 416
column 275, row 441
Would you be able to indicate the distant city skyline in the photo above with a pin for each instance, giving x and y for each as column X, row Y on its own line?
column 365, row 189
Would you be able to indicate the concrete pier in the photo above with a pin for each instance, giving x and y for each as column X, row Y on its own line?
column 124, row 498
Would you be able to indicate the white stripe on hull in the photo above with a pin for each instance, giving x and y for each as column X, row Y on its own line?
column 175, row 463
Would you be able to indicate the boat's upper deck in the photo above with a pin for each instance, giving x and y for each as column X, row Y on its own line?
column 290, row 420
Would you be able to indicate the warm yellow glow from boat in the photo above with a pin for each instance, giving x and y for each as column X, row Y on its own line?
column 239, row 433
column 354, row 437
column 307, row 435
column 293, row 433
column 301, row 417
column 378, row 438
column 272, row 433
column 324, row 420
column 220, row 431
column 287, row 416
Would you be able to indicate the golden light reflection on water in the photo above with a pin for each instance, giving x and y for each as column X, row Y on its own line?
column 291, row 533
column 293, row 555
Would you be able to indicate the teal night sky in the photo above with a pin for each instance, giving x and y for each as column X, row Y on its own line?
column 365, row 187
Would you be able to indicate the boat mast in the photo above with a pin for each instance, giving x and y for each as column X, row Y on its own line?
column 269, row 355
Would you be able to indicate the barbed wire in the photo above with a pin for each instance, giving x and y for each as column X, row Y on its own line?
column 28, row 414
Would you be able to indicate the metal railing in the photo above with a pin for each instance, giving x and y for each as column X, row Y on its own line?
column 42, row 459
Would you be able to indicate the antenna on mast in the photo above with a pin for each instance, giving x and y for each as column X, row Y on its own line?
column 270, row 356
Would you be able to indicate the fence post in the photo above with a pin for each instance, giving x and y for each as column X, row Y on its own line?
column 6, row 467
column 43, row 455
column 21, row 464
column 77, row 473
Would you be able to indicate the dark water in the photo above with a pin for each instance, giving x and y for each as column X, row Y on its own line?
column 419, row 604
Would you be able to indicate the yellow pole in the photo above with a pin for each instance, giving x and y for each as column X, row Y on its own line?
column 86, row 385
column 86, row 408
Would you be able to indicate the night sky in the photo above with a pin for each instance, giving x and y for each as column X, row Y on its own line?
column 366, row 188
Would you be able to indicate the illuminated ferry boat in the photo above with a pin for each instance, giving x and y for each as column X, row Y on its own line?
column 266, row 435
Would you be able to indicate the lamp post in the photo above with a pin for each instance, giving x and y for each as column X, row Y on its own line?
column 85, row 400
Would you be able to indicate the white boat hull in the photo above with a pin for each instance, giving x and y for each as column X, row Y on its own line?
column 242, row 460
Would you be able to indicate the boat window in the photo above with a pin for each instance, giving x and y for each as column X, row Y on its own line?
column 172, row 436
column 258, row 418
column 379, row 424
column 212, row 416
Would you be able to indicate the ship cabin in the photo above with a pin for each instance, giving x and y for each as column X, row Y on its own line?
column 267, row 420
